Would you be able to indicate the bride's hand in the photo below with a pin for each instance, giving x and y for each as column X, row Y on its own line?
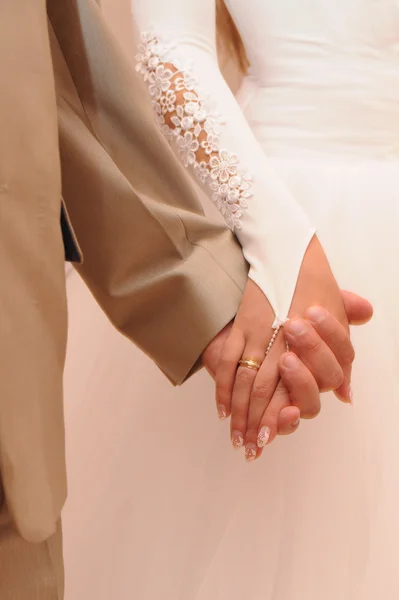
column 255, row 399
column 298, row 381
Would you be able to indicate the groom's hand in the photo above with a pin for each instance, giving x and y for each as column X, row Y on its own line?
column 300, row 380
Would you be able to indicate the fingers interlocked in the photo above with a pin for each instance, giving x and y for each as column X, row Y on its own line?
column 266, row 396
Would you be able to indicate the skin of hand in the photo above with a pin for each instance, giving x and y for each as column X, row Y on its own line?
column 288, row 385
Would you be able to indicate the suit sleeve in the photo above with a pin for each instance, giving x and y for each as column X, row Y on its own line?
column 167, row 277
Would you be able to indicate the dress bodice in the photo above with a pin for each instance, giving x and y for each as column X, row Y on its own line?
column 283, row 34
column 329, row 70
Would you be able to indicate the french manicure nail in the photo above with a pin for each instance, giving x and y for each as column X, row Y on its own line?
column 222, row 414
column 250, row 452
column 350, row 395
column 237, row 439
column 263, row 437
column 295, row 423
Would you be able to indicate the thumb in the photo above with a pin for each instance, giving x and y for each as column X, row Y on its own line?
column 358, row 309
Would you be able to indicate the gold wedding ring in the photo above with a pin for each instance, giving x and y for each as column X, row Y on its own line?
column 250, row 363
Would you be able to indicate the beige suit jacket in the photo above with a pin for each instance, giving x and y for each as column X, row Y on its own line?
column 76, row 124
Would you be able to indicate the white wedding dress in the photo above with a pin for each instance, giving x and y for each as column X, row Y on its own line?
column 317, row 517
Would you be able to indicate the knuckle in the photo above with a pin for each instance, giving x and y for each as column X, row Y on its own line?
column 245, row 375
column 311, row 343
column 349, row 355
column 307, row 340
column 240, row 410
column 336, row 379
column 225, row 363
column 260, row 391
column 238, row 417
column 302, row 393
column 352, row 354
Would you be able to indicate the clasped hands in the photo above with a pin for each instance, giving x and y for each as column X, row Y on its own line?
column 269, row 401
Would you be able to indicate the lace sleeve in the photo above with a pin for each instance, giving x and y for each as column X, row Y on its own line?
column 203, row 122
column 188, row 122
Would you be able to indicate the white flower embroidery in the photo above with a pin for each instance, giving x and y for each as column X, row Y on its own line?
column 228, row 203
column 188, row 146
column 159, row 81
column 168, row 132
column 191, row 107
column 195, row 110
column 185, row 82
column 187, row 123
column 211, row 126
column 167, row 102
column 202, row 171
column 192, row 125
column 219, row 196
column 210, row 144
column 143, row 66
column 223, row 166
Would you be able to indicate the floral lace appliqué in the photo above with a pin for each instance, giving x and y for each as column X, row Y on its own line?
column 192, row 127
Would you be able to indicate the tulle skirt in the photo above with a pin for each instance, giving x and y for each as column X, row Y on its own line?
column 160, row 506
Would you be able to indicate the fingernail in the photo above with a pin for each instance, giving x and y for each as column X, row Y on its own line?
column 315, row 314
column 291, row 361
column 295, row 423
column 250, row 452
column 263, row 437
column 296, row 327
column 237, row 439
column 222, row 414
column 347, row 398
column 350, row 395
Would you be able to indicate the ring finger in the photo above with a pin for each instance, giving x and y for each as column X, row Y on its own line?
column 261, row 394
column 245, row 377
